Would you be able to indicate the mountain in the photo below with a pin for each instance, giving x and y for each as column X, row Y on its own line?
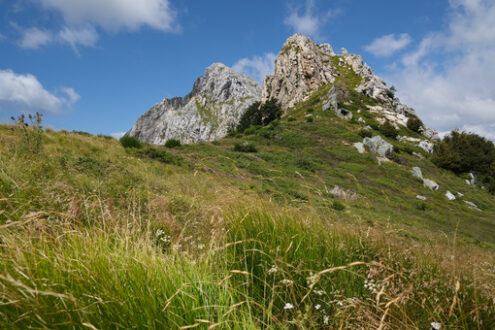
column 218, row 99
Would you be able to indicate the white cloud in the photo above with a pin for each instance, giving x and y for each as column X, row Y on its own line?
column 257, row 67
column 27, row 93
column 83, row 36
column 34, row 38
column 388, row 44
column 308, row 23
column 118, row 135
column 113, row 15
column 448, row 78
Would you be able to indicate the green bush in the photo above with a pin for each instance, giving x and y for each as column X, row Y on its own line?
column 130, row 142
column 463, row 152
column 365, row 133
column 414, row 124
column 388, row 130
column 245, row 147
column 309, row 119
column 172, row 143
column 260, row 114
column 338, row 205
column 158, row 154
column 291, row 119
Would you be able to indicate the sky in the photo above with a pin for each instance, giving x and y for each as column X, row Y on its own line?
column 97, row 65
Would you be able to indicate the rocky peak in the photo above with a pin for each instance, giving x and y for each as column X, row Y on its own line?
column 301, row 67
column 217, row 101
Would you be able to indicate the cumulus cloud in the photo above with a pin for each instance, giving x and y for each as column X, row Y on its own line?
column 113, row 15
column 86, row 36
column 306, row 21
column 448, row 78
column 25, row 92
column 256, row 67
column 388, row 44
column 34, row 38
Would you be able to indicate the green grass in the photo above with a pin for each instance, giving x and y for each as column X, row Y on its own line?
column 95, row 235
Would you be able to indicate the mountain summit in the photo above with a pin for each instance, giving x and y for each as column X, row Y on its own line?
column 218, row 99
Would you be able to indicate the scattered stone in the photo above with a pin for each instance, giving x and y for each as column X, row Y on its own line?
column 359, row 146
column 416, row 172
column 426, row 146
column 430, row 184
column 421, row 198
column 378, row 145
column 347, row 195
column 471, row 180
column 361, row 120
column 460, row 194
column 450, row 196
column 472, row 205
column 382, row 160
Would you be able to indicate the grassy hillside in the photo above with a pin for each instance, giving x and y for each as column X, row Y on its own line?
column 201, row 236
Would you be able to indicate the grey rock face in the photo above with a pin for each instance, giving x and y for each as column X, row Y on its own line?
column 378, row 145
column 359, row 146
column 216, row 103
column 416, row 172
column 301, row 67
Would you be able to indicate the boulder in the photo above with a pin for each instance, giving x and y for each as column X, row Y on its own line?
column 348, row 195
column 430, row 184
column 426, row 146
column 472, row 205
column 378, row 145
column 450, row 196
column 416, row 172
column 359, row 146
column 421, row 198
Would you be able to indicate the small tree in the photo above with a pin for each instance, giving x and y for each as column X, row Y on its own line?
column 414, row 124
column 260, row 114
column 130, row 142
column 388, row 130
column 172, row 143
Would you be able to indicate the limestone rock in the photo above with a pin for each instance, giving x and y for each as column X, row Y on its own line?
column 301, row 67
column 430, row 184
column 348, row 195
column 416, row 172
column 421, row 198
column 450, row 196
column 216, row 103
column 472, row 205
column 359, row 146
column 378, row 145
column 426, row 146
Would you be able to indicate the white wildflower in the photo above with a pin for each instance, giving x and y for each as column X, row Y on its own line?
column 287, row 282
column 436, row 325
column 273, row 270
column 340, row 303
column 288, row 306
column 326, row 319
column 317, row 307
column 201, row 246
column 319, row 292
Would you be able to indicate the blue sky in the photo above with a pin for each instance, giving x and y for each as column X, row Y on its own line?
column 97, row 65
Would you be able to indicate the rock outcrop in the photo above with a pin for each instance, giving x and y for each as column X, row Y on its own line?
column 216, row 103
column 301, row 67
column 378, row 146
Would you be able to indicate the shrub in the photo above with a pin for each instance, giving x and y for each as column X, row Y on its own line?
column 172, row 143
column 291, row 119
column 310, row 110
column 421, row 206
column 388, row 130
column 338, row 205
column 260, row 114
column 130, row 142
column 414, row 124
column 158, row 154
column 463, row 152
column 393, row 156
column 365, row 133
column 245, row 147
column 374, row 126
column 309, row 119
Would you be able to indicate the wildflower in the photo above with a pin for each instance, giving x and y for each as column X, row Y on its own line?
column 326, row 319
column 287, row 282
column 340, row 303
column 319, row 292
column 311, row 279
column 317, row 307
column 288, row 306
column 273, row 270
column 436, row 325
column 201, row 246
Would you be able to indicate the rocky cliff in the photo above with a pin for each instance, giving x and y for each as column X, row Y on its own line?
column 215, row 104
column 303, row 66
